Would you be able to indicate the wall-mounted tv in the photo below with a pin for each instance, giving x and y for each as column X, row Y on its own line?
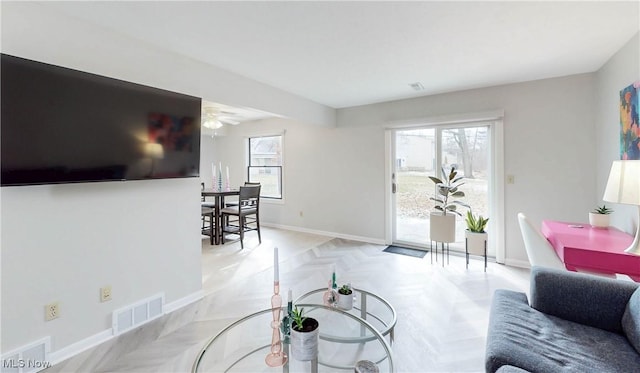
column 60, row 125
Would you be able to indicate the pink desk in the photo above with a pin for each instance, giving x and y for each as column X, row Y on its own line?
column 592, row 249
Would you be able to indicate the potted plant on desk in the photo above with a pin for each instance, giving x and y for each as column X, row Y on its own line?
column 304, row 336
column 599, row 218
column 442, row 226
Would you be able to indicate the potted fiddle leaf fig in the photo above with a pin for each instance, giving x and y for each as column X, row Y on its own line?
column 345, row 297
column 304, row 336
column 599, row 218
column 442, row 223
column 476, row 236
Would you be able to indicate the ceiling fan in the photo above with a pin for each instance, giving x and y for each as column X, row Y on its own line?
column 214, row 117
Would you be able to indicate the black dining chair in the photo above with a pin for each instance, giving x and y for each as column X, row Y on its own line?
column 208, row 223
column 235, row 203
column 203, row 200
column 247, row 213
column 208, row 216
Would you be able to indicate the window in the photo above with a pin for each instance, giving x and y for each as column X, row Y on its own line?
column 265, row 165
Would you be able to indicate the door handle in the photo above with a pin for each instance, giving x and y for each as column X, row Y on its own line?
column 393, row 188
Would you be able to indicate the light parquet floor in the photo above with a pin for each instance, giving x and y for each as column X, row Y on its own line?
column 442, row 311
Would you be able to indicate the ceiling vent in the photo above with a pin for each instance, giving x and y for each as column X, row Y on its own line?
column 417, row 86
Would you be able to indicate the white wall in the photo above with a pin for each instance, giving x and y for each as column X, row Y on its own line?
column 549, row 140
column 619, row 72
column 62, row 243
column 336, row 175
column 332, row 175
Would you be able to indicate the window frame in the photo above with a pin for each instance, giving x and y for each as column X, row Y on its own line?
column 280, row 168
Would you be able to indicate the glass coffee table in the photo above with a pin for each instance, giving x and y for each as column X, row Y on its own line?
column 366, row 305
column 344, row 340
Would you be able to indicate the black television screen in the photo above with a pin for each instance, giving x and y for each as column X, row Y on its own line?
column 60, row 125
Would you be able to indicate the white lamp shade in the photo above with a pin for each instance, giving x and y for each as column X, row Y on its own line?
column 154, row 151
column 624, row 183
column 624, row 187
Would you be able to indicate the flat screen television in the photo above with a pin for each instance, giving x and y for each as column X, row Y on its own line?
column 60, row 125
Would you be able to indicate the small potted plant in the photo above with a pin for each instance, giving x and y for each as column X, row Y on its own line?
column 442, row 226
column 599, row 218
column 475, row 234
column 304, row 336
column 345, row 297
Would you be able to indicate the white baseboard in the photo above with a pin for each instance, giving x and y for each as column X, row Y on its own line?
column 80, row 346
column 96, row 339
column 517, row 263
column 375, row 241
column 184, row 301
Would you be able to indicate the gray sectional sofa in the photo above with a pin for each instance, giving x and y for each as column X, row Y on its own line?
column 574, row 323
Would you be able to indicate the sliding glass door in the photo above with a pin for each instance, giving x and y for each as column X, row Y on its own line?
column 422, row 152
column 414, row 161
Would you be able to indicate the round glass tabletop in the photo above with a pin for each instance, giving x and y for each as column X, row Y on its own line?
column 344, row 340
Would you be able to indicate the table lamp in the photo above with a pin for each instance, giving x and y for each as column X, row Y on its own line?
column 153, row 151
column 623, row 187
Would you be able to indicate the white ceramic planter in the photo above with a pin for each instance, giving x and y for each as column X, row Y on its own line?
column 599, row 220
column 304, row 345
column 345, row 301
column 442, row 228
column 475, row 242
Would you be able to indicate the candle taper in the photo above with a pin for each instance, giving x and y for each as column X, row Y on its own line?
column 276, row 277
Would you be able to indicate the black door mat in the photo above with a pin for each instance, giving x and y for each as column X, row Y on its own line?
column 405, row 251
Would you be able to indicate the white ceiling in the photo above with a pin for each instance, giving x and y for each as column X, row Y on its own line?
column 343, row 54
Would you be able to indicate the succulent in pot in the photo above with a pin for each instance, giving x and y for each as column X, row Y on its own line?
column 345, row 297
column 476, row 224
column 476, row 236
column 599, row 218
column 304, row 336
column 602, row 210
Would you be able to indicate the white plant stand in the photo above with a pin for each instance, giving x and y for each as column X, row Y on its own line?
column 474, row 243
column 442, row 229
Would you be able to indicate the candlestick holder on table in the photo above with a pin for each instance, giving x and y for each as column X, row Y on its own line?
column 287, row 320
column 330, row 297
column 276, row 357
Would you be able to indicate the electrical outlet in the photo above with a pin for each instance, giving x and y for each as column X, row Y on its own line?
column 105, row 293
column 51, row 311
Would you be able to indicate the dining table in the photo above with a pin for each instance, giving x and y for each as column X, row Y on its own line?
column 219, row 196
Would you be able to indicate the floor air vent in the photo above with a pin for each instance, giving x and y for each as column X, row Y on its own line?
column 134, row 315
column 27, row 359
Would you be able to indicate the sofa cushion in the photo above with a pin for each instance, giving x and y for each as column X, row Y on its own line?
column 572, row 296
column 631, row 320
column 510, row 369
column 521, row 336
